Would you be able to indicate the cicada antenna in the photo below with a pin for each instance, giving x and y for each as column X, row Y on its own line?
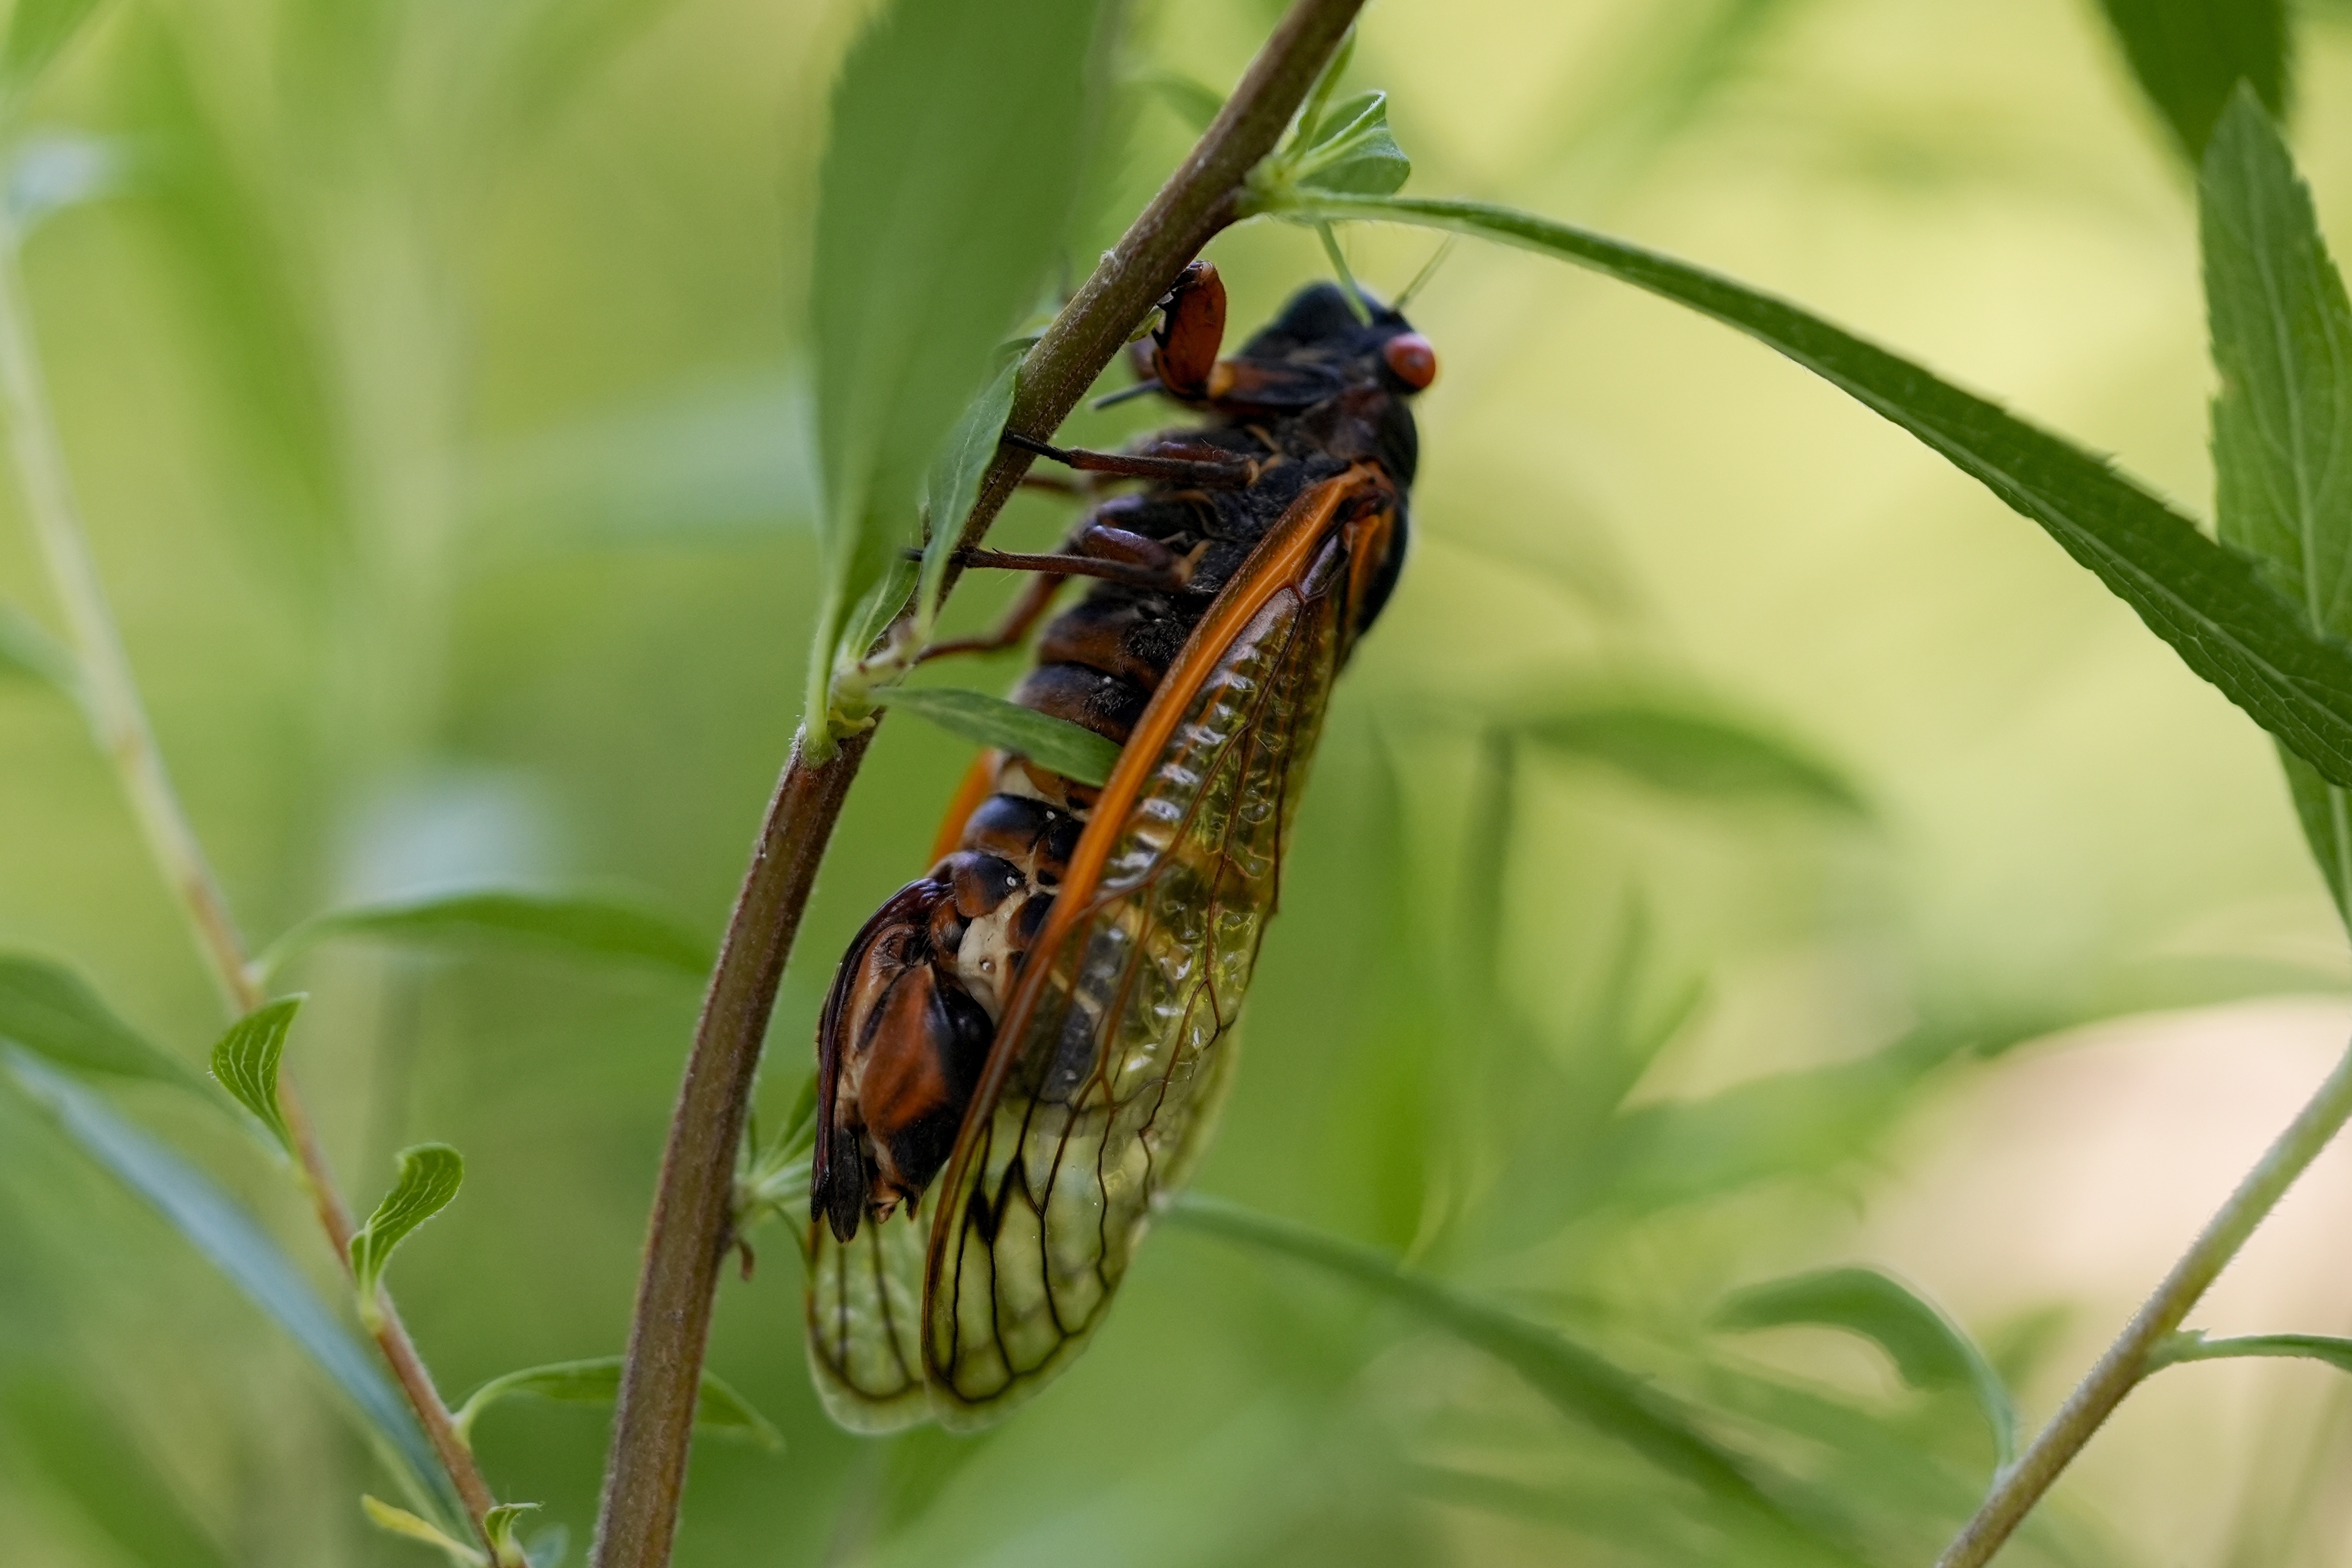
column 1428, row 270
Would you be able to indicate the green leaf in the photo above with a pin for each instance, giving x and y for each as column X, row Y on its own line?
column 1352, row 152
column 246, row 1062
column 1927, row 1348
column 2190, row 54
column 499, row 1524
column 401, row 1522
column 597, row 1381
column 2193, row 1345
column 1065, row 747
column 941, row 207
column 1579, row 1384
column 1194, row 104
column 50, row 1010
column 38, row 31
column 234, row 1244
column 2208, row 600
column 956, row 473
column 585, row 924
column 28, row 652
column 2283, row 422
column 430, row 1174
column 1686, row 750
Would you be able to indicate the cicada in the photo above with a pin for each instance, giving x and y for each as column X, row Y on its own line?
column 1023, row 1050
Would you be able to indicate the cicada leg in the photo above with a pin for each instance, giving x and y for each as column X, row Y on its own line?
column 1094, row 549
column 1212, row 471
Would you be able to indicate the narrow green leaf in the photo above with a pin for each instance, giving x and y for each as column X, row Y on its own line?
column 1194, row 104
column 50, row 1010
column 29, row 652
column 430, row 1174
column 597, row 1381
column 2193, row 1345
column 38, row 31
column 1579, row 1384
column 1686, row 750
column 585, row 924
column 2282, row 334
column 401, row 1522
column 2188, row 56
column 1927, row 1348
column 233, row 1243
column 940, row 211
column 2207, row 599
column 956, row 473
column 1050, row 742
column 246, row 1062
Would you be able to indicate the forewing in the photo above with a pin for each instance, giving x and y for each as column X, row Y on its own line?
column 1116, row 1041
column 865, row 1315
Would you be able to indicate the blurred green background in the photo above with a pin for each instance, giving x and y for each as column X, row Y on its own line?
column 433, row 376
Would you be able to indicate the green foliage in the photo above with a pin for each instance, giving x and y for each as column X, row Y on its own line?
column 597, row 1381
column 1056, row 743
column 1927, row 1348
column 246, row 1061
column 49, row 1009
column 429, row 1177
column 2189, row 55
column 31, row 654
column 1686, row 750
column 2207, row 601
column 938, row 215
column 234, row 1244
column 2282, row 334
column 954, row 482
column 1579, row 1384
column 588, row 927
column 2194, row 1346
column 395, row 1521
column 38, row 30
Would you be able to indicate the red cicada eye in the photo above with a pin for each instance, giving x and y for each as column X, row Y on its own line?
column 1412, row 359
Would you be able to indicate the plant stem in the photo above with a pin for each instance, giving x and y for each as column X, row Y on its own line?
column 109, row 694
column 2018, row 1488
column 687, row 1238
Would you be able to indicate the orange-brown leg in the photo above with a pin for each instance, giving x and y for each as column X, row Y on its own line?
column 1211, row 472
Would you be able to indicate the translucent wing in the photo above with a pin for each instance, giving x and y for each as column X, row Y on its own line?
column 864, row 1316
column 1112, row 1053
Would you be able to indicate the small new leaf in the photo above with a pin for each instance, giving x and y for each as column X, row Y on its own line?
column 1067, row 748
column 430, row 1174
column 499, row 1524
column 597, row 1381
column 1353, row 152
column 50, row 1010
column 1927, row 1348
column 401, row 1522
column 246, row 1062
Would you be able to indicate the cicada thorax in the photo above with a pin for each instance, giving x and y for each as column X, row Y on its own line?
column 916, row 1005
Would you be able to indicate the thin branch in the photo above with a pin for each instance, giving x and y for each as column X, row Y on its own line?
column 108, row 692
column 2018, row 1488
column 687, row 1236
